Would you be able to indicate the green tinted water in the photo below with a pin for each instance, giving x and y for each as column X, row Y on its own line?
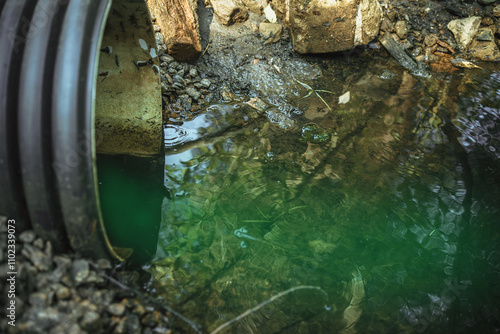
column 131, row 193
column 394, row 212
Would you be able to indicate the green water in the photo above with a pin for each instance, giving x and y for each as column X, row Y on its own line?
column 131, row 193
column 394, row 213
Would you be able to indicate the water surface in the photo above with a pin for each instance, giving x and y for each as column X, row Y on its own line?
column 388, row 203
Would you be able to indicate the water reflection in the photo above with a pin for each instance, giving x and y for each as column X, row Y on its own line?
column 394, row 214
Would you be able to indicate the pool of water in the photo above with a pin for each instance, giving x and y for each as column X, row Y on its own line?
column 388, row 204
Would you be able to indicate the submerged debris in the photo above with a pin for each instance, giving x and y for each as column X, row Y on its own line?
column 459, row 62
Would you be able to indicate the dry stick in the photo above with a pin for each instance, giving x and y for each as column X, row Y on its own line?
column 191, row 323
column 261, row 305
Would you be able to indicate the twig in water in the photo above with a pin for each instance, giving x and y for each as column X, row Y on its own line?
column 315, row 91
column 270, row 300
column 191, row 323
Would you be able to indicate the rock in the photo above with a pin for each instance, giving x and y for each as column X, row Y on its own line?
column 496, row 11
column 271, row 31
column 257, row 104
column 27, row 236
column 275, row 116
column 178, row 21
column 486, row 2
column 178, row 79
column 39, row 299
column 132, row 324
column 206, row 83
column 255, row 6
column 464, row 30
column 229, row 11
column 193, row 93
column 46, row 318
column 401, row 29
column 167, row 59
column 80, row 270
column 38, row 243
column 484, row 34
column 430, row 40
column 39, row 259
column 104, row 264
column 193, row 72
column 484, row 49
column 160, row 39
column 116, row 309
column 282, row 10
column 91, row 322
column 487, row 21
column 387, row 25
column 62, row 292
column 320, row 27
column 226, row 94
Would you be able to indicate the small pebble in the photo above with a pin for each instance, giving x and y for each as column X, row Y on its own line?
column 37, row 257
column 62, row 292
column 206, row 83
column 159, row 38
column 167, row 59
column 38, row 243
column 116, row 309
column 38, row 299
column 193, row 93
column 91, row 321
column 27, row 236
column 80, row 270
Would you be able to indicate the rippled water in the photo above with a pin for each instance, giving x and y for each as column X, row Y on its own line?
column 391, row 207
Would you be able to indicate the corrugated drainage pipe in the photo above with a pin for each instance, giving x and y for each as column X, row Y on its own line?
column 51, row 65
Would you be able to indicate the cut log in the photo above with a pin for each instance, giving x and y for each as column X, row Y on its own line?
column 179, row 25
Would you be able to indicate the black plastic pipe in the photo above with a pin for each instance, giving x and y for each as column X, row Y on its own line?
column 49, row 55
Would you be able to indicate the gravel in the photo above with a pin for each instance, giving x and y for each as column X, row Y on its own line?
column 63, row 294
column 185, row 89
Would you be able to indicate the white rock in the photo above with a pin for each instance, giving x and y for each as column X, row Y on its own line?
column 464, row 30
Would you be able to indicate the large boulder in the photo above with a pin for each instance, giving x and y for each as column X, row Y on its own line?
column 179, row 25
column 322, row 26
column 229, row 11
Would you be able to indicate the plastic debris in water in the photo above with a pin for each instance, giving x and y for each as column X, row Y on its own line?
column 242, row 233
column 344, row 98
column 353, row 312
